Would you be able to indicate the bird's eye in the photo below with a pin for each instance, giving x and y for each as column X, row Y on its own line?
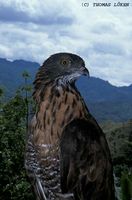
column 65, row 62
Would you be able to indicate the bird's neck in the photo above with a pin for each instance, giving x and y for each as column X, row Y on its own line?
column 59, row 104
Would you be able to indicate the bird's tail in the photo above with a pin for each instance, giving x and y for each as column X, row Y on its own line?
column 39, row 189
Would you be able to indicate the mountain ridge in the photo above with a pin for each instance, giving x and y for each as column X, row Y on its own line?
column 102, row 98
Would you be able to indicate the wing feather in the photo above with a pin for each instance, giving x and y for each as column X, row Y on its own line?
column 86, row 168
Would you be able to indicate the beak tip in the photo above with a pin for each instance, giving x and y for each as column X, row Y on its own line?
column 86, row 72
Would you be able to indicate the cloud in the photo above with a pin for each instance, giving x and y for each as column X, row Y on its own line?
column 11, row 14
column 108, row 48
column 104, row 28
column 33, row 30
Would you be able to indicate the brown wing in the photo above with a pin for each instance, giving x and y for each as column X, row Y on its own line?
column 86, row 168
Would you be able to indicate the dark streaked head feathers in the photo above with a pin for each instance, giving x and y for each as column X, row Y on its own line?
column 59, row 65
column 62, row 68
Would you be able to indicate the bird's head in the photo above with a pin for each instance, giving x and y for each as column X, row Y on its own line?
column 65, row 67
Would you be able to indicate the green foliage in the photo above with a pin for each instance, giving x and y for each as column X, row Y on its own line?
column 126, row 186
column 119, row 137
column 14, row 115
column 13, row 181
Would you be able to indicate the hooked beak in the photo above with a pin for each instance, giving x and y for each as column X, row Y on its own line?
column 85, row 71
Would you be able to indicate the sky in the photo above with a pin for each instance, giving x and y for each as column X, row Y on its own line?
column 102, row 36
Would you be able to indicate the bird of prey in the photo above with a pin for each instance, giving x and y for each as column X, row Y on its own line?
column 67, row 155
